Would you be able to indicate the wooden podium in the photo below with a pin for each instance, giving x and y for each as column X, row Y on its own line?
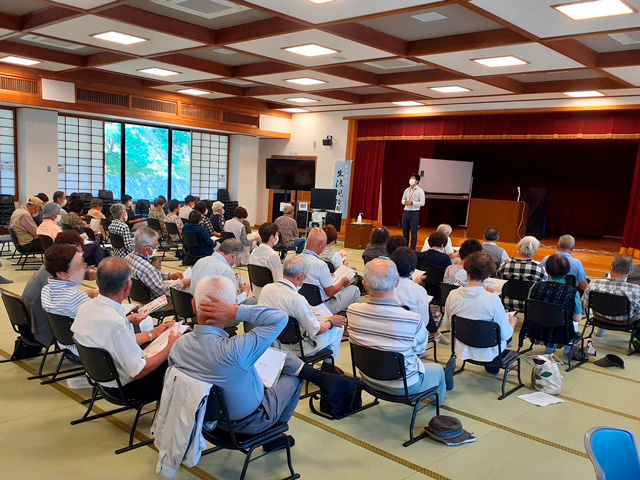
column 357, row 235
column 505, row 215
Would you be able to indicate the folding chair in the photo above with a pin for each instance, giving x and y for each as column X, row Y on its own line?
column 379, row 365
column 182, row 304
column 332, row 269
column 61, row 331
column 224, row 437
column 435, row 275
column 23, row 259
column 117, row 241
column 311, row 293
column 100, row 368
column 142, row 208
column 484, row 334
column 516, row 290
column 613, row 452
column 140, row 293
column 259, row 276
column 190, row 241
column 610, row 305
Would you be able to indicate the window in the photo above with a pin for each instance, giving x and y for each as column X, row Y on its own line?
column 180, row 164
column 80, row 155
column 7, row 153
column 209, row 158
column 113, row 158
column 146, row 161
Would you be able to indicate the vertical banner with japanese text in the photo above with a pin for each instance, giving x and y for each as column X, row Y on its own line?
column 342, row 183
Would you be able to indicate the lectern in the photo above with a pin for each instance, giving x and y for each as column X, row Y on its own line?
column 505, row 215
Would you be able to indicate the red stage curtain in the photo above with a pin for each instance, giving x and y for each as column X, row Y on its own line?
column 401, row 159
column 631, row 236
column 367, row 175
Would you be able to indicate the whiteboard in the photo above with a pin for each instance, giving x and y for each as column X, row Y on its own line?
column 445, row 176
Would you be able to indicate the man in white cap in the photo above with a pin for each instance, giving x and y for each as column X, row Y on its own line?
column 25, row 227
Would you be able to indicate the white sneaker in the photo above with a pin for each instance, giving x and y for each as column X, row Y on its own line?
column 442, row 340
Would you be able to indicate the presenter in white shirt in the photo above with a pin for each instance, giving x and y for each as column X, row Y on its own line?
column 412, row 199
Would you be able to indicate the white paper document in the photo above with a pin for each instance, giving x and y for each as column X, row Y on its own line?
column 129, row 307
column 322, row 312
column 95, row 225
column 342, row 272
column 495, row 284
column 270, row 365
column 540, row 399
column 162, row 341
column 417, row 274
column 153, row 305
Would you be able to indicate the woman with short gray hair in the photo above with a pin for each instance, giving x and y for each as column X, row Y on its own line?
column 522, row 267
column 217, row 218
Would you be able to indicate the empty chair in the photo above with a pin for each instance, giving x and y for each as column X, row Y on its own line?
column 142, row 207
column 86, row 200
column 223, row 195
column 613, row 452
column 335, row 219
column 7, row 207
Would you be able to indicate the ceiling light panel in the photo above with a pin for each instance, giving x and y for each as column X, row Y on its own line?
column 584, row 94
column 450, row 89
column 119, row 37
column 302, row 100
column 310, row 50
column 25, row 62
column 594, row 9
column 306, row 81
column 497, row 62
column 408, row 103
column 294, row 110
column 160, row 72
column 320, row 2
column 194, row 91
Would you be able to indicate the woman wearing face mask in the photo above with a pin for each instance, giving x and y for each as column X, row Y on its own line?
column 133, row 222
column 412, row 199
column 50, row 221
column 264, row 255
column 62, row 294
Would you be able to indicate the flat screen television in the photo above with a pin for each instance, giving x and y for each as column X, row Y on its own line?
column 289, row 174
column 323, row 198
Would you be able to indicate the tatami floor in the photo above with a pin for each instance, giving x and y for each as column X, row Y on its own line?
column 515, row 439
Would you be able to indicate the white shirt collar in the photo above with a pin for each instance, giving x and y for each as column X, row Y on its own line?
column 111, row 303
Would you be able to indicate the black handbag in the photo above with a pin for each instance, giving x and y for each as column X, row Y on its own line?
column 339, row 405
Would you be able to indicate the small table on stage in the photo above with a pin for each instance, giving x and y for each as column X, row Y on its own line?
column 357, row 235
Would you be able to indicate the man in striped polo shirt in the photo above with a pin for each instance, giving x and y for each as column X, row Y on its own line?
column 384, row 324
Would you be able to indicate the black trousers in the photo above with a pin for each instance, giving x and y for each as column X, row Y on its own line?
column 410, row 221
column 33, row 246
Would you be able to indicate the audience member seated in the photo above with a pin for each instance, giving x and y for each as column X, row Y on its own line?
column 205, row 244
column 336, row 297
column 489, row 245
column 434, row 256
column 95, row 213
column 383, row 324
column 264, row 255
column 448, row 248
column 565, row 247
column 288, row 228
column 201, row 206
column 45, row 200
column 133, row 222
column 32, row 294
column 157, row 213
column 60, row 199
column 410, row 294
column 49, row 226
column 62, row 294
column 457, row 274
column 522, row 267
column 217, row 217
column 283, row 295
column 237, row 227
column 119, row 227
column 102, row 323
column 189, row 205
column 141, row 263
column 377, row 246
column 393, row 243
column 221, row 263
column 474, row 302
column 174, row 217
column 556, row 290
column 25, row 227
column 329, row 254
column 74, row 219
column 634, row 276
column 616, row 284
column 209, row 355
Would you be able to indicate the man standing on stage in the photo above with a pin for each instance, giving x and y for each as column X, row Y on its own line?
column 412, row 199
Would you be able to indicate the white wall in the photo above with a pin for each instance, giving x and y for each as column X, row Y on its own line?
column 244, row 184
column 37, row 135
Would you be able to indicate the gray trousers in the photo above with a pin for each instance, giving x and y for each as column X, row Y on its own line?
column 343, row 299
column 433, row 376
column 279, row 402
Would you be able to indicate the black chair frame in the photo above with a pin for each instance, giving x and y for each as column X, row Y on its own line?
column 435, row 275
column 259, row 276
column 516, row 290
column 23, row 259
column 182, row 304
column 484, row 334
column 311, row 293
column 227, row 439
column 549, row 315
column 100, row 367
column 189, row 241
column 381, row 365
column 613, row 306
column 61, row 330
column 140, row 293
column 172, row 229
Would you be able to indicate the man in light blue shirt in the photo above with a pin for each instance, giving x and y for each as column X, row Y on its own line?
column 565, row 247
column 209, row 355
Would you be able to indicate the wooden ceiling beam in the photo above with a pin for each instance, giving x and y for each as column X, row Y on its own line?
column 466, row 41
column 503, row 82
column 262, row 68
column 105, row 58
column 160, row 23
column 350, row 73
column 9, row 22
column 257, row 30
column 339, row 95
column 194, row 63
column 560, row 86
column 574, row 50
column 219, row 88
column 627, row 58
column 46, row 17
column 41, row 53
column 369, row 36
column 263, row 90
column 421, row 76
column 396, row 96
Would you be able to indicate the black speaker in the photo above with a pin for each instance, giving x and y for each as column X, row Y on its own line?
column 327, row 142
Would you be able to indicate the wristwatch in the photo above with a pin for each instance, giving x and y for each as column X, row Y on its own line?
column 150, row 336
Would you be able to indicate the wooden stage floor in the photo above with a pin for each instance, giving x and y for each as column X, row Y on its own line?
column 596, row 254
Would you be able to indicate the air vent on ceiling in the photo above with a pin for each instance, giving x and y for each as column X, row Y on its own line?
column 241, row 83
column 251, row 120
column 160, row 106
column 629, row 38
column 93, row 96
column 202, row 113
column 203, row 8
column 21, row 85
column 429, row 17
column 51, row 42
column 391, row 64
